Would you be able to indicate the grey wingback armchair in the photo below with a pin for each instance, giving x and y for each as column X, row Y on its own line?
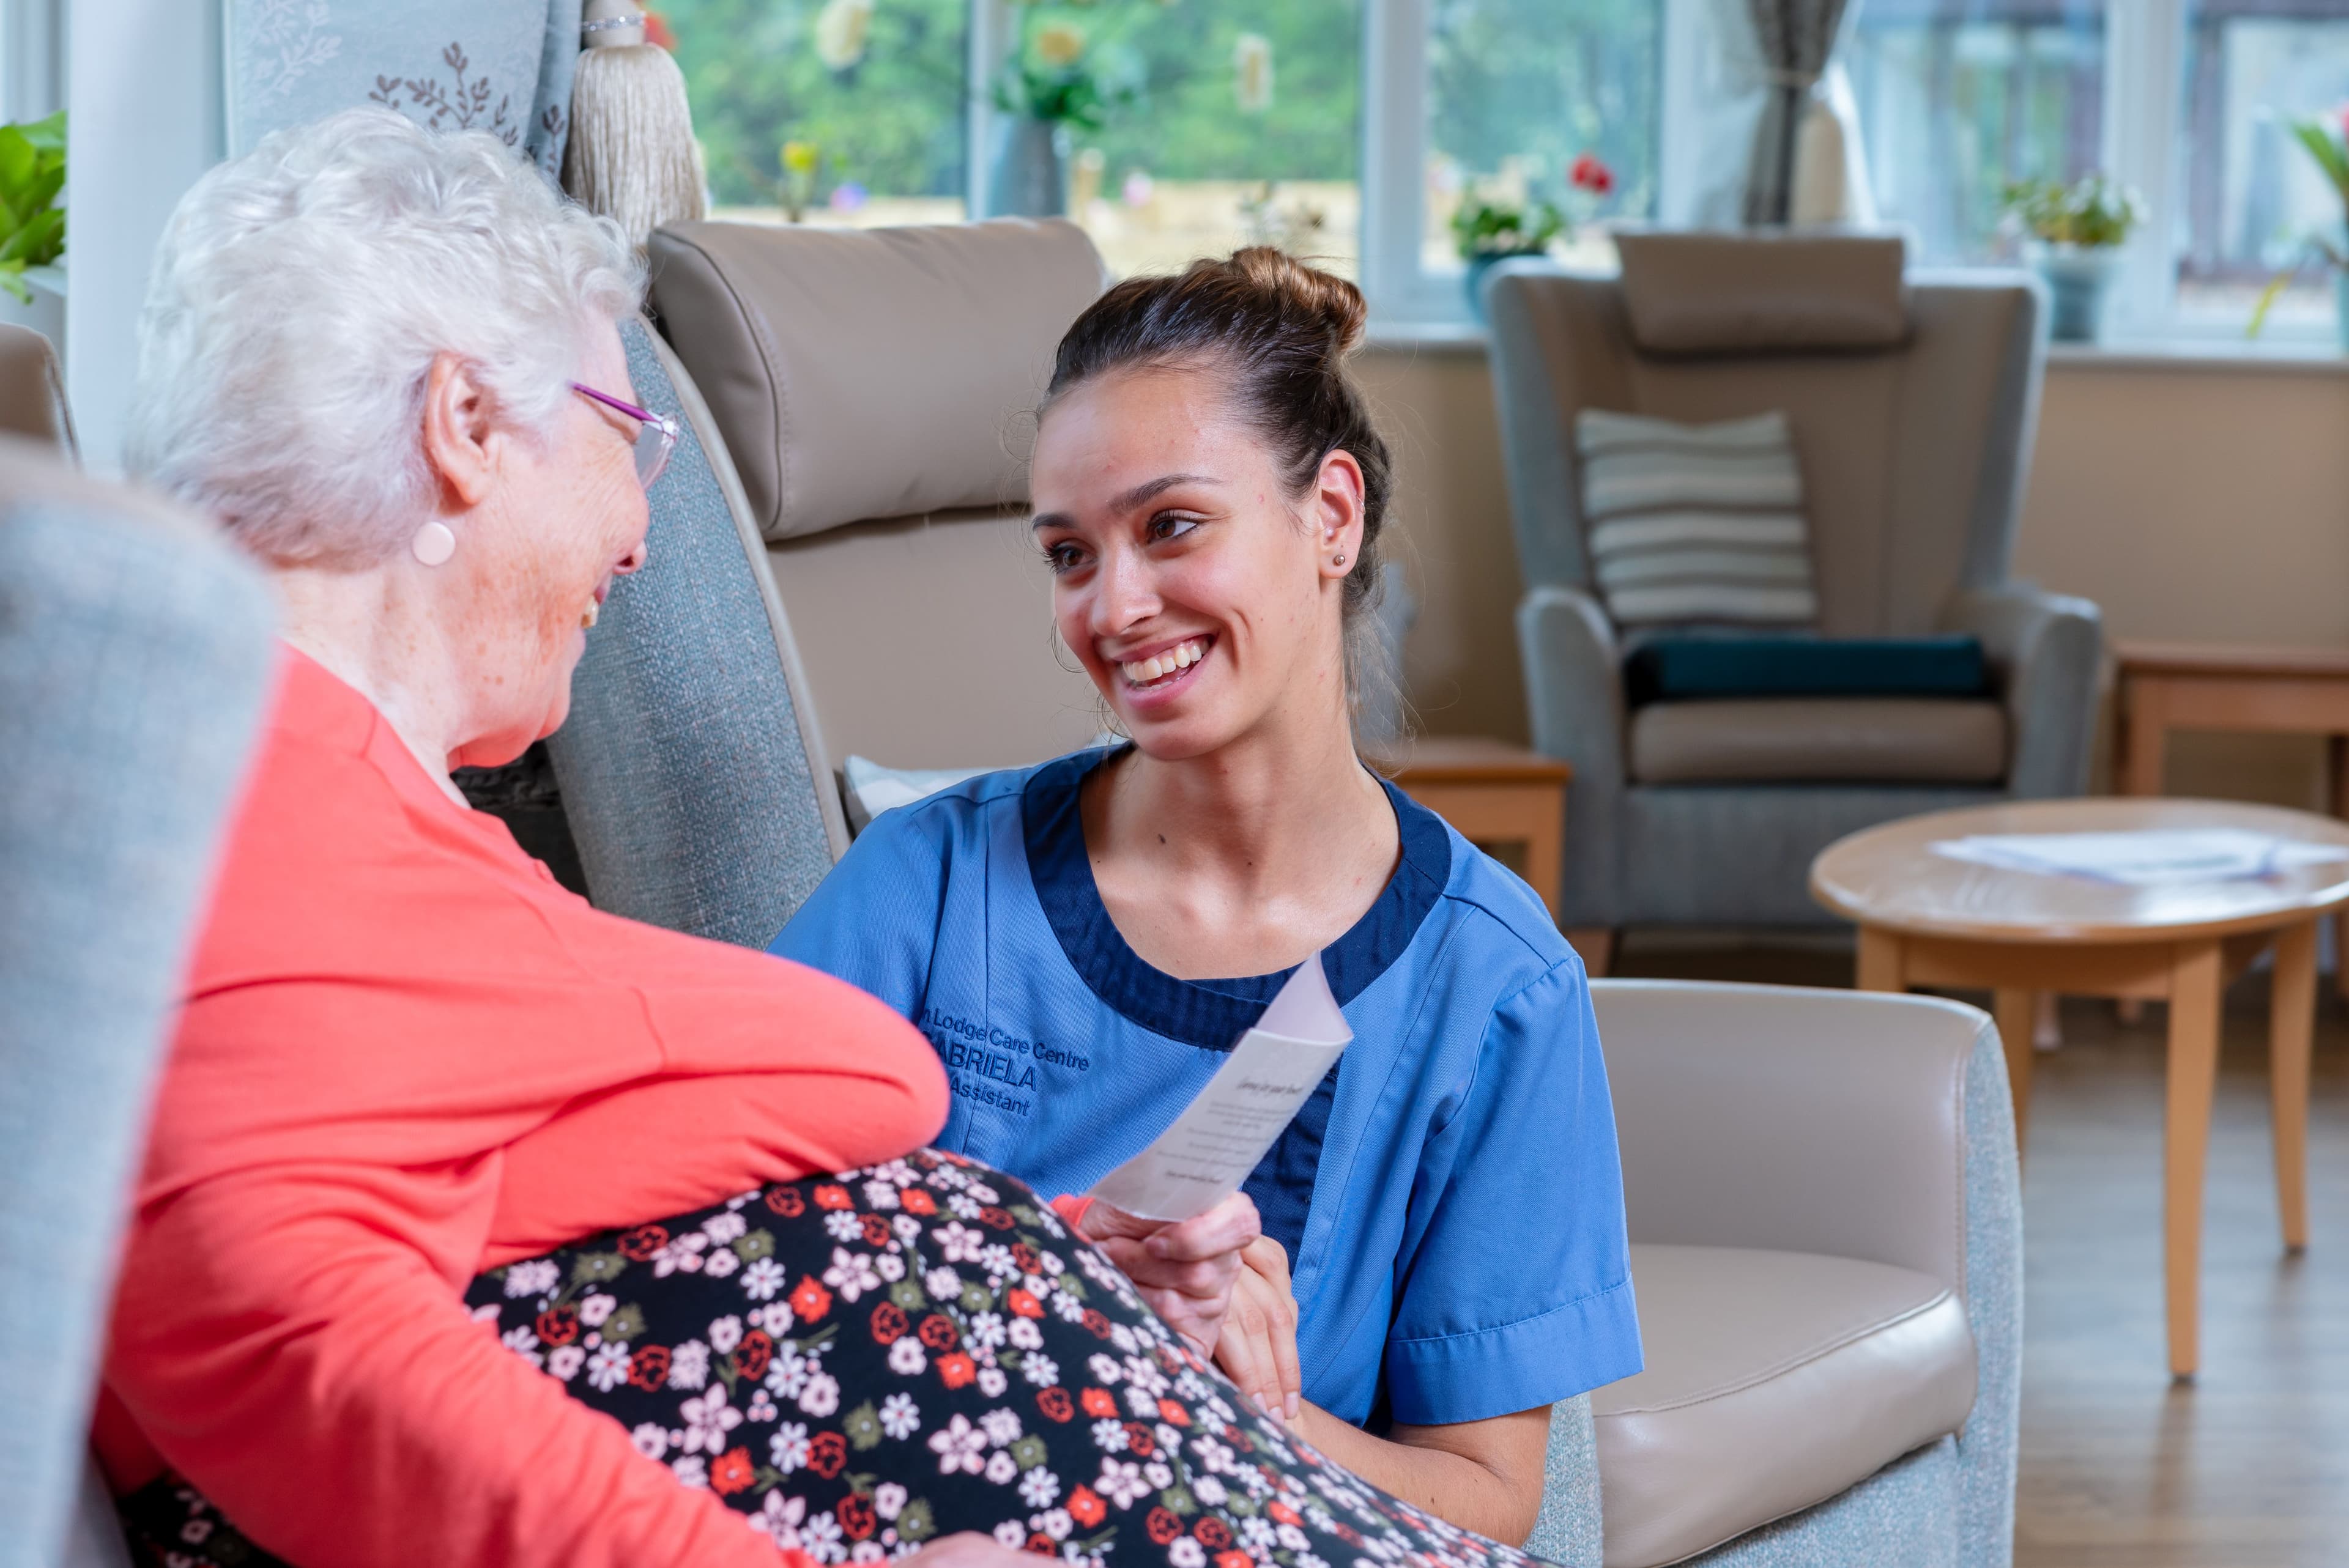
column 1914, row 442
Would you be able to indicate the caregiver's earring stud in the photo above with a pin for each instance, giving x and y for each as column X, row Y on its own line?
column 1338, row 560
column 433, row 543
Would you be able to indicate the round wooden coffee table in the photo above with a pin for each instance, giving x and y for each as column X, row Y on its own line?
column 1926, row 919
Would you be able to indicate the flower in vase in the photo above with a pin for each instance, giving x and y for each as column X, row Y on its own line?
column 1060, row 45
column 842, row 30
column 1252, row 72
column 1589, row 173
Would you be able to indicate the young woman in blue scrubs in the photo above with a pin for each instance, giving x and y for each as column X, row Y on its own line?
column 1083, row 941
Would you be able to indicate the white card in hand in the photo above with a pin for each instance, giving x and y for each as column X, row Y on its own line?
column 1219, row 1138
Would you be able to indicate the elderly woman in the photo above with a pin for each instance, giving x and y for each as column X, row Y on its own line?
column 358, row 1322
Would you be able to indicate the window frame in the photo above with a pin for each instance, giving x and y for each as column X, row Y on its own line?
column 2144, row 118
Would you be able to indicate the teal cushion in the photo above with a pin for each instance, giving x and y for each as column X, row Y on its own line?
column 1667, row 668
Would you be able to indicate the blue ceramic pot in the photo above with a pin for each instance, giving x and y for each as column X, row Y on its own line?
column 2079, row 281
column 1027, row 179
column 1473, row 281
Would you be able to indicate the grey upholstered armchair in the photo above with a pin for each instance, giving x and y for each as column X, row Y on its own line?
column 1913, row 441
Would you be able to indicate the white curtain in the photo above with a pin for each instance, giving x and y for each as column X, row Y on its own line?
column 1738, row 85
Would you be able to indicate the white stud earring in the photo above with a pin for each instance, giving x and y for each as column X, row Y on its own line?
column 433, row 543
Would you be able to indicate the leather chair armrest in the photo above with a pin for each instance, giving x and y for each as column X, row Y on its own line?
column 1574, row 699
column 1793, row 1120
column 2046, row 650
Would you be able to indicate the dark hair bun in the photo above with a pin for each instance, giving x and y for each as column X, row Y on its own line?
column 1290, row 288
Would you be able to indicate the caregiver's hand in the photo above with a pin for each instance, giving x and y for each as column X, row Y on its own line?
column 1184, row 1270
column 1257, row 1349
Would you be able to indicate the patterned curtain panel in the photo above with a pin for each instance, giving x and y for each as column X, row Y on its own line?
column 1795, row 39
column 502, row 66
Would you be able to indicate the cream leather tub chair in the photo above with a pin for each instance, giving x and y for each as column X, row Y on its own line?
column 1827, row 1242
column 839, row 565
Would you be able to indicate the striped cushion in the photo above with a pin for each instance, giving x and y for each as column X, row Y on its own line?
column 1696, row 522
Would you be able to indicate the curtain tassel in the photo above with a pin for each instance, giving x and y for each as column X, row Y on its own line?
column 632, row 156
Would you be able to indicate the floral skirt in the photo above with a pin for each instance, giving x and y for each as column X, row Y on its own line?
column 860, row 1362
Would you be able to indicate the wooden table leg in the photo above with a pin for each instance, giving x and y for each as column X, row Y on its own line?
column 2017, row 1013
column 2194, row 989
column 2137, row 767
column 1880, row 966
column 1545, row 854
column 2336, row 751
column 2291, row 1008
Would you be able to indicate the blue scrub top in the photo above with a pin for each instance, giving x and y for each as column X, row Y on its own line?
column 1450, row 1197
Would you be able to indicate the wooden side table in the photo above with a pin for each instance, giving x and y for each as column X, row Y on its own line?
column 1492, row 793
column 2163, row 686
column 1926, row 919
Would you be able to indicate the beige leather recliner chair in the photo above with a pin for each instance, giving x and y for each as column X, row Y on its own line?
column 1821, row 1185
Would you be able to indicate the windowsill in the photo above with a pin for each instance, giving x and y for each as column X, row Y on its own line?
column 1411, row 336
column 2284, row 357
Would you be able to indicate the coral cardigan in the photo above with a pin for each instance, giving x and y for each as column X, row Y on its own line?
column 407, row 1056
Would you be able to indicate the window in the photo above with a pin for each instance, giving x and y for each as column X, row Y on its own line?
column 1959, row 98
column 1346, row 130
column 2251, row 194
column 1239, row 123
column 1517, row 90
column 870, row 92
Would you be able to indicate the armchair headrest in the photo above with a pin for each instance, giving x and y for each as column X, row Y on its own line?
column 1696, row 293
column 869, row 373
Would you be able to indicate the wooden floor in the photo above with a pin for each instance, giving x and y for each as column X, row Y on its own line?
column 2247, row 1467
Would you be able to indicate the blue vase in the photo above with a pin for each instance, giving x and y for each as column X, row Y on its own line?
column 2341, row 307
column 1475, row 281
column 1027, row 179
column 2079, row 278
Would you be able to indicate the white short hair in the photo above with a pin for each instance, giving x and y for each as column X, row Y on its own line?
column 299, row 297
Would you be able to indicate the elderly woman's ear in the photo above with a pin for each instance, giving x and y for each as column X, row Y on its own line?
column 459, row 433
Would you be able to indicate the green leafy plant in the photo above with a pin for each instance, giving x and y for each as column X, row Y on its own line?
column 1054, row 77
column 2325, row 143
column 32, row 174
column 1482, row 227
column 2094, row 212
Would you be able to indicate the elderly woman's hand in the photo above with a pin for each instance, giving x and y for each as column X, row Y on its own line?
column 1184, row 1270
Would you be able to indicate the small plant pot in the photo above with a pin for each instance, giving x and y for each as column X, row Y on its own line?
column 2079, row 284
column 1474, row 279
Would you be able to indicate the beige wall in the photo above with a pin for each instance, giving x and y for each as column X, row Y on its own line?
column 2190, row 502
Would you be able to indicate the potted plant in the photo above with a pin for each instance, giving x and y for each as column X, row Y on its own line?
column 1488, row 230
column 1050, row 87
column 2075, row 233
column 2325, row 143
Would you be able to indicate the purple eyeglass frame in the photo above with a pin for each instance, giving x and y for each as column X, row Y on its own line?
column 664, row 429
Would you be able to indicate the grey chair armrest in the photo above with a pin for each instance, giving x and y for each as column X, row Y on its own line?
column 2045, row 649
column 1849, row 1123
column 1569, row 1531
column 1574, row 699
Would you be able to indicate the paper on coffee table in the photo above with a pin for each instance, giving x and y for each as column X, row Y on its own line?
column 2144, row 857
column 1221, row 1135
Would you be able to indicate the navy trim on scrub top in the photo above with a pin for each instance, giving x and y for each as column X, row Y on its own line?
column 1213, row 1014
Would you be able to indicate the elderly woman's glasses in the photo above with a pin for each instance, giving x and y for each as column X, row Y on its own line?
column 656, row 433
